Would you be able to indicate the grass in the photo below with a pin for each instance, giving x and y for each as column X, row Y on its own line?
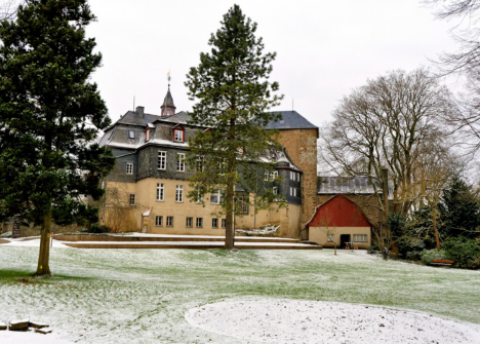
column 141, row 296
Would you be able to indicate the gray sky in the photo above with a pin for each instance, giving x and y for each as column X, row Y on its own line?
column 324, row 48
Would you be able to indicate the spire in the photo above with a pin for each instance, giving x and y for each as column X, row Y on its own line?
column 168, row 107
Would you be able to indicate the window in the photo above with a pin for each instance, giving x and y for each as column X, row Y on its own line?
column 222, row 168
column 199, row 222
column 179, row 193
column 189, row 221
column 178, row 135
column 214, row 223
column 131, row 134
column 224, row 223
column 331, row 238
column 199, row 195
column 199, row 164
column 294, row 192
column 360, row 237
column 132, row 199
column 159, row 221
column 129, row 168
column 162, row 160
column 181, row 162
column 242, row 205
column 275, row 190
column 169, row 221
column 295, row 176
column 271, row 175
column 216, row 197
column 160, row 192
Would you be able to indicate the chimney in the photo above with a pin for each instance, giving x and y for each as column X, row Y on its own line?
column 140, row 111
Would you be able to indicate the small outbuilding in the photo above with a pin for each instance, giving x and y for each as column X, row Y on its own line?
column 340, row 221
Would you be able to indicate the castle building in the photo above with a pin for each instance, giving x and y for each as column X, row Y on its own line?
column 150, row 183
column 150, row 177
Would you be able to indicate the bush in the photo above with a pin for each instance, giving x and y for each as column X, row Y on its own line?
column 410, row 248
column 463, row 251
column 97, row 229
column 373, row 249
column 428, row 256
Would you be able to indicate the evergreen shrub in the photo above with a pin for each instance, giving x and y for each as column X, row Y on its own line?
column 428, row 256
column 98, row 229
column 464, row 252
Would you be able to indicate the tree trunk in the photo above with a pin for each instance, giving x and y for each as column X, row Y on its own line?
column 230, row 208
column 434, row 220
column 43, row 258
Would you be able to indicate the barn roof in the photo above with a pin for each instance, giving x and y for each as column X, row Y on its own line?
column 339, row 211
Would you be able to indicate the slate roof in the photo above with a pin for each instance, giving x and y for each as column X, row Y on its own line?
column 168, row 101
column 291, row 120
column 345, row 185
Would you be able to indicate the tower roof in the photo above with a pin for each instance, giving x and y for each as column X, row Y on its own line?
column 168, row 101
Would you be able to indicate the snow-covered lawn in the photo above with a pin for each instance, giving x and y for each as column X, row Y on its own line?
column 142, row 296
column 292, row 321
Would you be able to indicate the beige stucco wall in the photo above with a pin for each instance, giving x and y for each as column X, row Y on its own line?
column 319, row 235
column 146, row 195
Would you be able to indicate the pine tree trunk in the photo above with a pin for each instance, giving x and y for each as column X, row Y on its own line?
column 434, row 220
column 43, row 258
column 230, row 208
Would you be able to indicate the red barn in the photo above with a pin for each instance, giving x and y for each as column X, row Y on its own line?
column 340, row 221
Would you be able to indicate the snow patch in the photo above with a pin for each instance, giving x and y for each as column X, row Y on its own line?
column 11, row 337
column 291, row 321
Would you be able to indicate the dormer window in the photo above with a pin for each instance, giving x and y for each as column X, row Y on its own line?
column 178, row 134
column 131, row 134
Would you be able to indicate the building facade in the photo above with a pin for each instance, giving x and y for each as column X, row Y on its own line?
column 150, row 179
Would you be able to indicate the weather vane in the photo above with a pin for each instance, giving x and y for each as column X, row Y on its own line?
column 168, row 75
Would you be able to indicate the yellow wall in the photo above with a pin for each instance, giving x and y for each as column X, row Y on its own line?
column 319, row 235
column 145, row 191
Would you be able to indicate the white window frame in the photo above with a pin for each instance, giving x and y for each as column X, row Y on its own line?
column 189, row 222
column 179, row 194
column 218, row 196
column 214, row 223
column 199, row 222
column 169, row 221
column 224, row 223
column 360, row 238
column 200, row 163
column 162, row 160
column 331, row 237
column 180, row 162
column 132, row 199
column 275, row 190
column 160, row 192
column 131, row 134
column 159, row 221
column 178, row 135
column 129, row 167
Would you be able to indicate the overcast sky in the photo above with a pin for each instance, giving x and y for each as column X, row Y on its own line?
column 324, row 48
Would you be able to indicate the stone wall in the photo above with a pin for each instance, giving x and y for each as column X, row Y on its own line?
column 35, row 231
column 301, row 146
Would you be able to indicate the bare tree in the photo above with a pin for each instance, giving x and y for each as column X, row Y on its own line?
column 384, row 125
column 464, row 62
column 8, row 9
column 118, row 214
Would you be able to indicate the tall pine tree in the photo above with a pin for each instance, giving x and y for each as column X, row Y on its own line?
column 49, row 115
column 233, row 93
